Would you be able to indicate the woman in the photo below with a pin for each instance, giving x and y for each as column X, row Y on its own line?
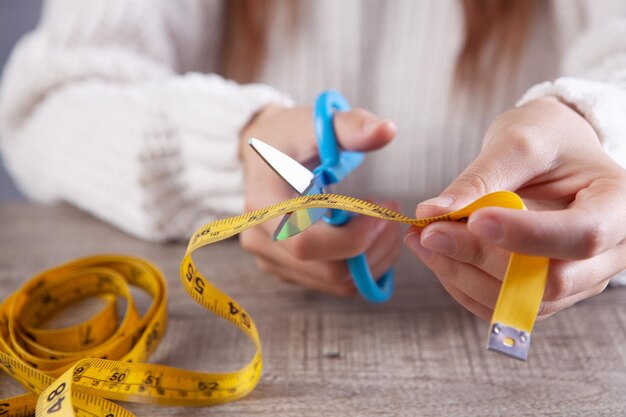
column 116, row 107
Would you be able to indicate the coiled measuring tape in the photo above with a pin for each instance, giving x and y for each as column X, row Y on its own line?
column 75, row 371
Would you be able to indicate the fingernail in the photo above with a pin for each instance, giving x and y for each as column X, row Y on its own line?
column 371, row 124
column 413, row 242
column 441, row 201
column 487, row 229
column 439, row 242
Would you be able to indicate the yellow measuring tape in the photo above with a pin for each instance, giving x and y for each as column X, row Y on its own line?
column 74, row 371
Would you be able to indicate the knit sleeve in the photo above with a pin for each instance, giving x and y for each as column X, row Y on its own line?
column 94, row 112
column 594, row 68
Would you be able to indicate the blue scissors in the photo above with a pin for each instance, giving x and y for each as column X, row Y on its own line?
column 336, row 164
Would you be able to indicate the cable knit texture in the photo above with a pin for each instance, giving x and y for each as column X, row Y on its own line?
column 112, row 105
column 94, row 112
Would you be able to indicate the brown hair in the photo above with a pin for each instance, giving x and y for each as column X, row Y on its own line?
column 495, row 31
column 244, row 38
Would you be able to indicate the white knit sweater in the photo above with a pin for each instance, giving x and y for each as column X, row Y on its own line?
column 111, row 105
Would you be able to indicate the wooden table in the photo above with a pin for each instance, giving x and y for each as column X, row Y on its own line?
column 419, row 354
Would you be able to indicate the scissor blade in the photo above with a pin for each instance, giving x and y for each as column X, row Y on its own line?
column 298, row 221
column 296, row 175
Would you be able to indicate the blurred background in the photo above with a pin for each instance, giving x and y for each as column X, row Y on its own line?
column 17, row 17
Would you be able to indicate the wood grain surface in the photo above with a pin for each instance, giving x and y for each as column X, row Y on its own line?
column 418, row 355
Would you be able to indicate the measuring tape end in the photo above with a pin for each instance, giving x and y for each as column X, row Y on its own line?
column 509, row 341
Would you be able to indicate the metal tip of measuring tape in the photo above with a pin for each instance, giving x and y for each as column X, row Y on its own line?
column 509, row 341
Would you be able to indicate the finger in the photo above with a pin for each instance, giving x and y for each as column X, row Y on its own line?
column 412, row 239
column 467, row 278
column 548, row 308
column 386, row 250
column 594, row 223
column 567, row 278
column 290, row 276
column 496, row 168
column 468, row 302
column 356, row 130
column 455, row 241
column 323, row 242
column 332, row 273
column 381, row 255
column 477, row 284
column 311, row 274
column 514, row 152
column 328, row 277
column 360, row 130
column 270, row 267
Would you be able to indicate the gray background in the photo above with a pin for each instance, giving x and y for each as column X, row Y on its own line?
column 16, row 18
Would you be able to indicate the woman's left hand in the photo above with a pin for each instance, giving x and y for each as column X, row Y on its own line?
column 576, row 194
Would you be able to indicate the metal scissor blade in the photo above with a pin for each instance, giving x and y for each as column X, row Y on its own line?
column 300, row 220
column 300, row 179
column 296, row 175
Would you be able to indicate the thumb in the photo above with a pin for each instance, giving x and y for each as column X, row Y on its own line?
column 360, row 130
column 494, row 169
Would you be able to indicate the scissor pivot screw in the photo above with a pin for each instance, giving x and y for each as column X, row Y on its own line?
column 496, row 329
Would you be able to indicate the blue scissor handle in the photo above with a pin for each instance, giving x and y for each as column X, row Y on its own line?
column 370, row 289
column 335, row 166
column 335, row 163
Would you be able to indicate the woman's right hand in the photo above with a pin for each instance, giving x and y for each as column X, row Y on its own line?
column 315, row 258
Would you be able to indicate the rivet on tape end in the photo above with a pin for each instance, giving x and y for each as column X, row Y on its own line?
column 509, row 341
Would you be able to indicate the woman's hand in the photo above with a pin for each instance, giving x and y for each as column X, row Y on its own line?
column 315, row 258
column 551, row 156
